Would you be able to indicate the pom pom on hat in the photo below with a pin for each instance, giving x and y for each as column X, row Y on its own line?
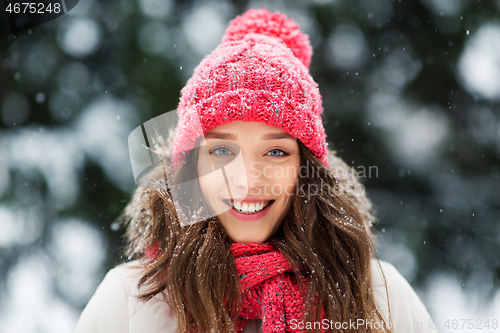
column 276, row 25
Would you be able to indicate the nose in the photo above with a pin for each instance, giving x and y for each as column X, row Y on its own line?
column 245, row 175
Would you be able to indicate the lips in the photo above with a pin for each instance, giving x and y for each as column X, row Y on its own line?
column 248, row 206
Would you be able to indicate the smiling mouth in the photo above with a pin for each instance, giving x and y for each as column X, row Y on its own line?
column 248, row 208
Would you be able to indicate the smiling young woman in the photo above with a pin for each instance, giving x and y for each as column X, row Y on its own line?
column 278, row 249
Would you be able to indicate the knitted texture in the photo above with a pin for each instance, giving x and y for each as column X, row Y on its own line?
column 268, row 291
column 274, row 25
column 258, row 73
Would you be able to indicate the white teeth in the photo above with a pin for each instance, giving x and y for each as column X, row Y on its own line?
column 249, row 208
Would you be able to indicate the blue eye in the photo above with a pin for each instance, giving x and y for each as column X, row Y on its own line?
column 221, row 151
column 277, row 152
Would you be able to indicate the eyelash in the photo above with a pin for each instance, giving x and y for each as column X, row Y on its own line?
column 285, row 153
column 217, row 148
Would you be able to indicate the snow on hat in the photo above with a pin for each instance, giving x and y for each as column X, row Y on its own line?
column 258, row 73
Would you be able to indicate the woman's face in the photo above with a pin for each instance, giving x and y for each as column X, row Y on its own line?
column 260, row 166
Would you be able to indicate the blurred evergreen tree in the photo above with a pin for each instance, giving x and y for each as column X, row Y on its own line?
column 445, row 211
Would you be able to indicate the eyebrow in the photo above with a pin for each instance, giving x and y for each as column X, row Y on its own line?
column 219, row 135
column 277, row 136
column 228, row 136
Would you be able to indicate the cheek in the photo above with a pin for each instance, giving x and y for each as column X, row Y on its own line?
column 203, row 185
column 287, row 186
column 289, row 182
column 205, row 182
column 212, row 184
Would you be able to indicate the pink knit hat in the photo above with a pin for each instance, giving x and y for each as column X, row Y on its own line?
column 258, row 73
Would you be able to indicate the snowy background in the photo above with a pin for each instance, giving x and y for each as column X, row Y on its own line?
column 410, row 87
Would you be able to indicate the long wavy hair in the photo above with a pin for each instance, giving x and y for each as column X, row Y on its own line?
column 326, row 237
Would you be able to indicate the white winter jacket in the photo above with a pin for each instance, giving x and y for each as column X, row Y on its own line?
column 114, row 308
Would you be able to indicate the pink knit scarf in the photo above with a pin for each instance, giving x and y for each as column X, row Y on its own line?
column 268, row 293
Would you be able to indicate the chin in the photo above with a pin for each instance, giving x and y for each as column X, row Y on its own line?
column 245, row 238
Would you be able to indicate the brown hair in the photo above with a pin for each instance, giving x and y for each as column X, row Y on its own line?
column 326, row 237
